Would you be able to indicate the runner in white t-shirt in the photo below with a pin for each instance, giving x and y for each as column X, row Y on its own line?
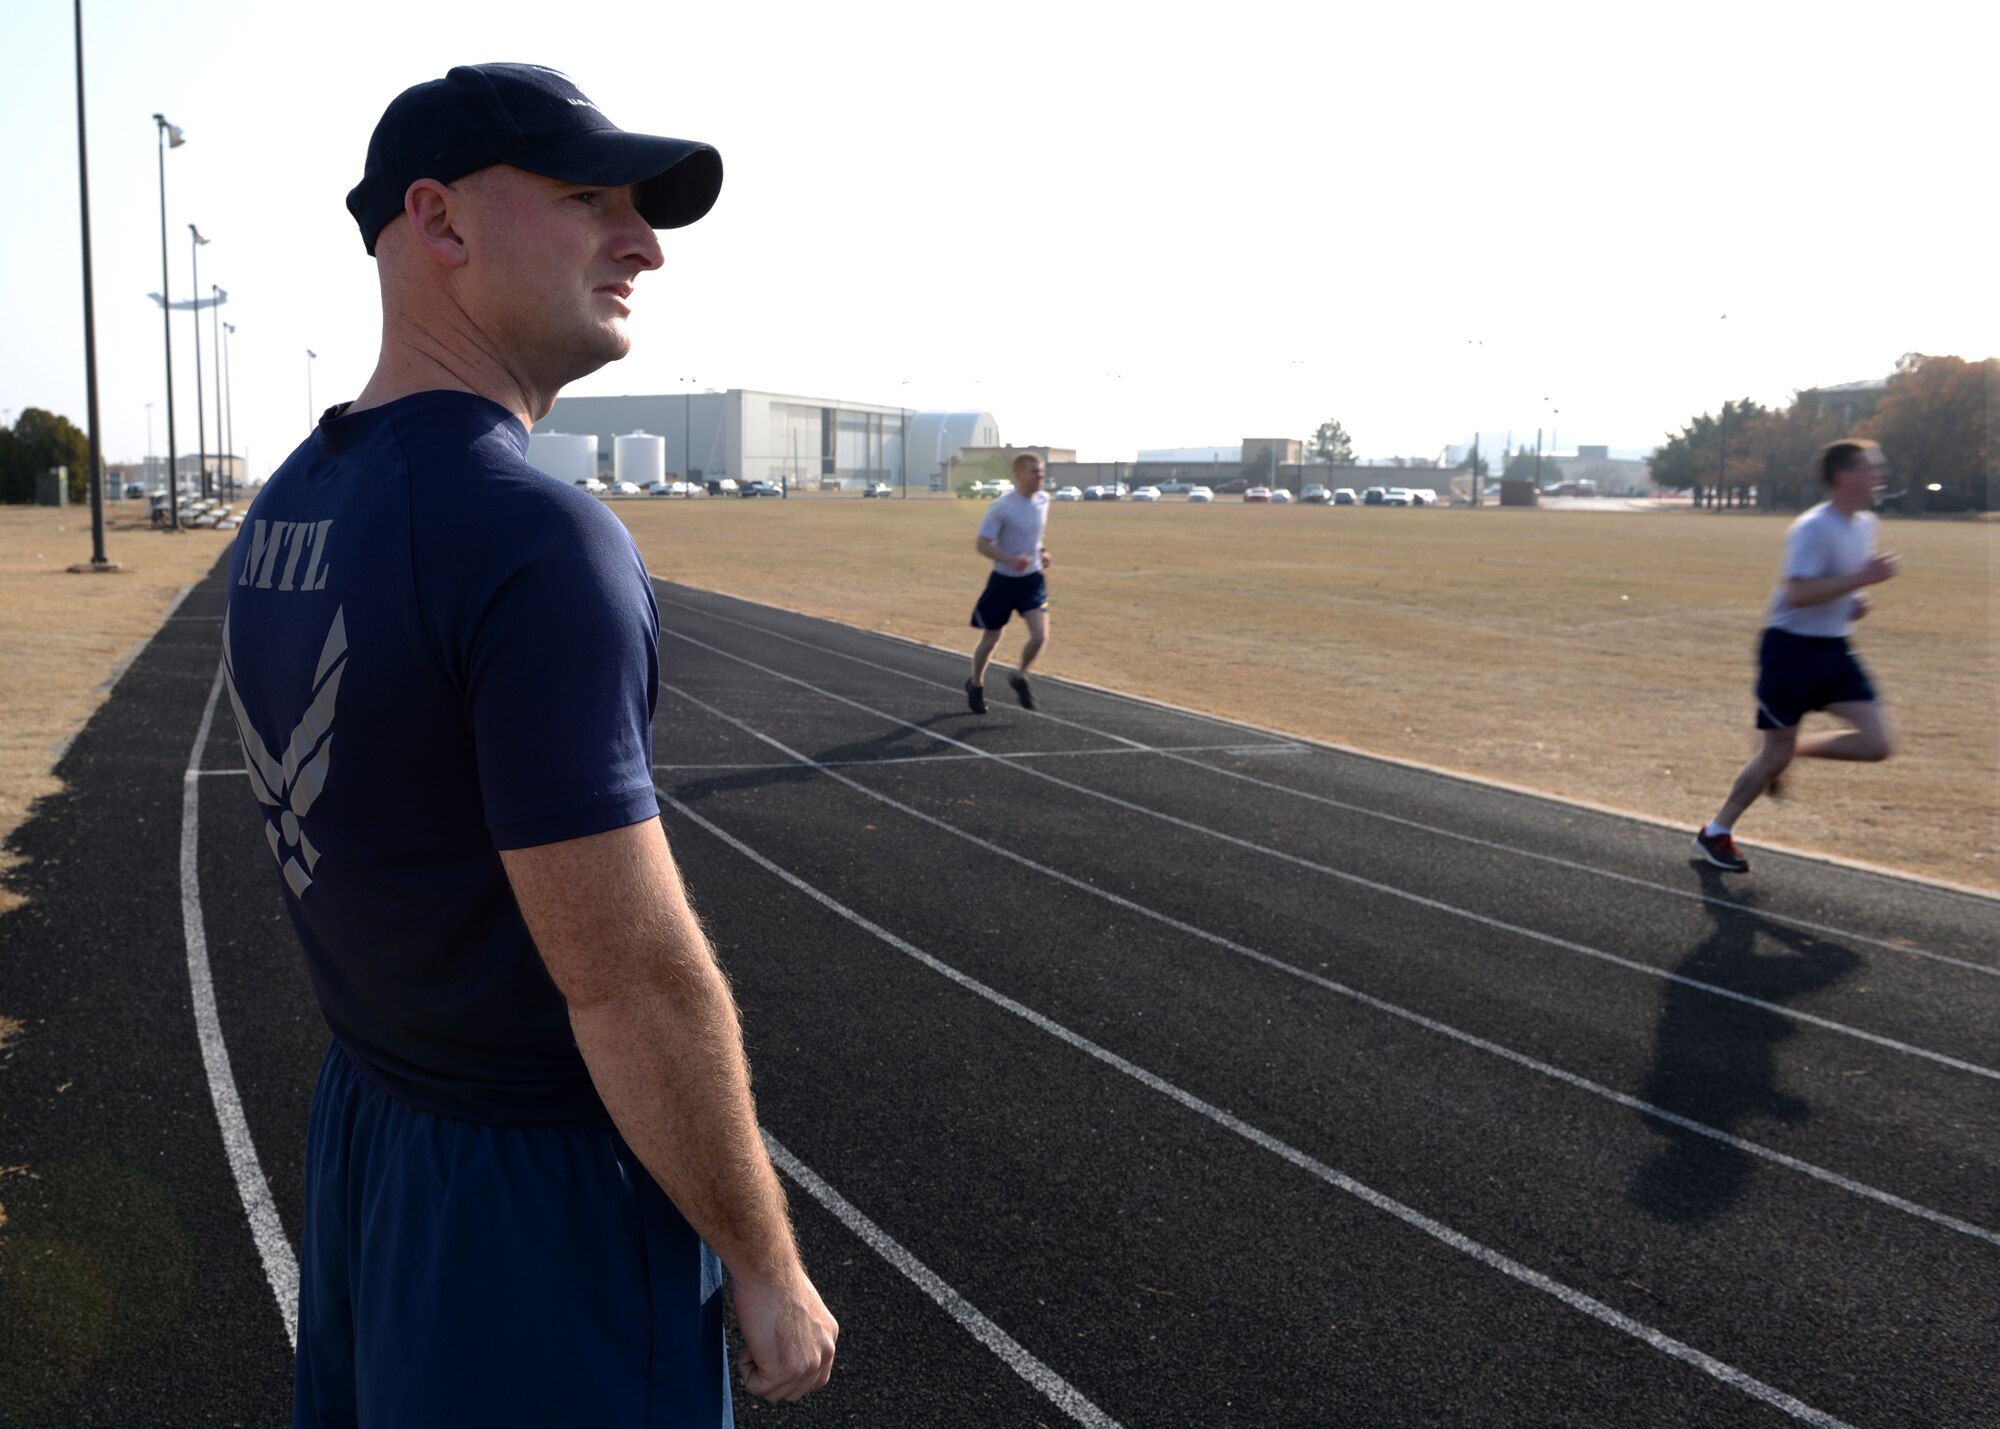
column 1011, row 538
column 1803, row 662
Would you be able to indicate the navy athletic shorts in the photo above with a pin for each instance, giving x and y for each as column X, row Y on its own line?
column 1006, row 594
column 454, row 1272
column 1798, row 673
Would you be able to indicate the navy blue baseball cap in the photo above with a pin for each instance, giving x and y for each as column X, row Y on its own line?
column 534, row 119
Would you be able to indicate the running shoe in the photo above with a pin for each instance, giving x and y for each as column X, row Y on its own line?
column 1021, row 691
column 1720, row 850
column 975, row 697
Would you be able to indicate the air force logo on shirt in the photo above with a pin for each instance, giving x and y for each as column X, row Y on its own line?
column 289, row 784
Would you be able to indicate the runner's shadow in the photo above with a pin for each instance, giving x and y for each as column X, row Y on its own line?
column 894, row 746
column 1715, row 1059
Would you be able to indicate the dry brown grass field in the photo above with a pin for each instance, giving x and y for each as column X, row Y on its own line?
column 63, row 636
column 1601, row 656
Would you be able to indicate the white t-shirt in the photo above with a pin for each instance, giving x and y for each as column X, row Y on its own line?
column 1015, row 524
column 1819, row 544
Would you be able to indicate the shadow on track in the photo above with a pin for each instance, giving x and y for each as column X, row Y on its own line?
column 897, row 745
column 1715, row 1061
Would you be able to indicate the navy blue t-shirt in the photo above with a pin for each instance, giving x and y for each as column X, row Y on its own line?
column 434, row 652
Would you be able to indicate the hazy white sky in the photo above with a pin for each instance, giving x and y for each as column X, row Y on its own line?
column 1113, row 226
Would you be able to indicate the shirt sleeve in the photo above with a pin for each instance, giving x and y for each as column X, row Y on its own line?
column 563, row 676
column 1806, row 552
column 991, row 523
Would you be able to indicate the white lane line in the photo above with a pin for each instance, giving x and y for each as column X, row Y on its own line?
column 221, row 773
column 1437, row 905
column 1430, row 1024
column 1437, row 1230
column 945, row 758
column 1051, row 1385
column 281, row 1266
column 1626, row 878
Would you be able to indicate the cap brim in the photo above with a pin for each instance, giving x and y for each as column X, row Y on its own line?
column 678, row 180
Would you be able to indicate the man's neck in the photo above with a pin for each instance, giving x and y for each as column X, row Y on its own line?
column 417, row 362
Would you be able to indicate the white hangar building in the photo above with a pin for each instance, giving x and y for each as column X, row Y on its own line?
column 812, row 443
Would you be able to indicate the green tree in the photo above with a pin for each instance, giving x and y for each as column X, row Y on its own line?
column 1521, row 467
column 1933, row 426
column 38, row 441
column 1713, row 453
column 1257, row 471
column 1329, row 446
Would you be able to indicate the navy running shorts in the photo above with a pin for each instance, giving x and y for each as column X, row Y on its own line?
column 455, row 1272
column 1800, row 673
column 1006, row 594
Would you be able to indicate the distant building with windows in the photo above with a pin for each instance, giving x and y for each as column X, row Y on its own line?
column 810, row 443
column 1849, row 402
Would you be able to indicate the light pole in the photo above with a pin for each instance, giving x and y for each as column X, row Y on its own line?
column 311, row 419
column 149, row 446
column 903, row 445
column 687, row 421
column 97, row 560
column 169, row 137
column 200, row 415
column 228, row 378
column 222, row 461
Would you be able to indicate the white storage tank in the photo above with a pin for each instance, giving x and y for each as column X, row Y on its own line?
column 566, row 458
column 639, row 458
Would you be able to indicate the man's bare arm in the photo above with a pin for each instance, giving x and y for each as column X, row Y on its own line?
column 1802, row 591
column 657, row 1026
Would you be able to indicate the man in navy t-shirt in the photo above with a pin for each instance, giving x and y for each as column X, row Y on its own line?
column 533, row 1135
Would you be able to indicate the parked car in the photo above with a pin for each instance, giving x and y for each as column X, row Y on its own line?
column 1281, row 497
column 1175, row 488
column 1201, row 496
column 1093, row 493
column 1116, row 490
column 720, row 486
column 592, row 485
column 1232, row 488
column 1374, row 495
column 1344, row 496
column 996, row 487
column 1423, row 496
column 1397, row 496
column 759, row 488
column 135, row 488
column 1257, row 493
column 1316, row 495
column 624, row 488
column 1069, row 493
column 1146, row 493
column 878, row 489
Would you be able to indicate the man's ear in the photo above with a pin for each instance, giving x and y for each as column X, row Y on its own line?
column 429, row 206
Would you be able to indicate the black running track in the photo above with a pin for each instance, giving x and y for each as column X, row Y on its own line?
column 1125, row 1067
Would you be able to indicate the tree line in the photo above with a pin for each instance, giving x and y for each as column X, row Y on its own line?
column 1931, row 419
column 38, row 442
